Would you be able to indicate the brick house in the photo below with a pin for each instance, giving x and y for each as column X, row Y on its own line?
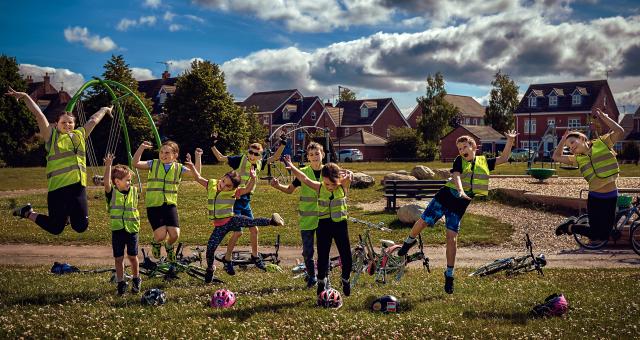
column 158, row 90
column 487, row 139
column 472, row 112
column 554, row 107
column 375, row 116
column 631, row 124
column 373, row 147
column 49, row 99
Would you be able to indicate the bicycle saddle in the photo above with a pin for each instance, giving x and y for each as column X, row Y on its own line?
column 387, row 243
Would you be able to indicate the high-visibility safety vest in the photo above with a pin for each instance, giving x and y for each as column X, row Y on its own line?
column 335, row 208
column 123, row 210
column 244, row 170
column 601, row 164
column 219, row 203
column 162, row 186
column 66, row 162
column 476, row 181
column 308, row 204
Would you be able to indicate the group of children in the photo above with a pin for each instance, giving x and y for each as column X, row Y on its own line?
column 322, row 206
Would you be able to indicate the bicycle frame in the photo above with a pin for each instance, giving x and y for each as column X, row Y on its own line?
column 623, row 217
column 515, row 265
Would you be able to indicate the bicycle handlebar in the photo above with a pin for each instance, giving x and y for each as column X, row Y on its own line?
column 379, row 225
column 529, row 246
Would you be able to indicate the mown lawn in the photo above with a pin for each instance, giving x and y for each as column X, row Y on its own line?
column 604, row 304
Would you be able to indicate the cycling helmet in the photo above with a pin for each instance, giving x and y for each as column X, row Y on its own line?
column 63, row 268
column 554, row 305
column 223, row 298
column 154, row 297
column 385, row 304
column 330, row 298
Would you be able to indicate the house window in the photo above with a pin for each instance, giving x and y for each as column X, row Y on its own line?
column 467, row 121
column 576, row 99
column 533, row 101
column 388, row 132
column 524, row 144
column 364, row 112
column 553, row 100
column 481, row 121
column 574, row 123
column 313, row 115
column 346, row 131
column 528, row 122
column 163, row 98
column 285, row 114
column 551, row 121
column 534, row 144
column 265, row 120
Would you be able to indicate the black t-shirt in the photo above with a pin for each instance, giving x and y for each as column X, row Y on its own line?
column 296, row 182
column 109, row 194
column 449, row 197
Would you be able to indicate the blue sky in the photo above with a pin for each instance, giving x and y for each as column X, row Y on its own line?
column 379, row 48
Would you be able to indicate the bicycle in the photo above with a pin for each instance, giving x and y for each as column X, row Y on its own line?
column 242, row 258
column 170, row 270
column 624, row 216
column 300, row 269
column 515, row 265
column 387, row 261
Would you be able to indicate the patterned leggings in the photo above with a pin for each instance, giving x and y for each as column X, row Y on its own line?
column 235, row 224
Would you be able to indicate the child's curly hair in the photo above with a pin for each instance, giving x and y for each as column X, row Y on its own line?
column 466, row 139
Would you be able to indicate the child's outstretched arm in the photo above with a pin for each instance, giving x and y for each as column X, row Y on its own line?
column 617, row 130
column 506, row 153
column 198, row 155
column 299, row 174
column 108, row 161
column 557, row 154
column 458, row 182
column 96, row 118
column 219, row 156
column 250, row 184
column 347, row 177
column 278, row 153
column 43, row 124
column 136, row 157
column 287, row 190
column 195, row 173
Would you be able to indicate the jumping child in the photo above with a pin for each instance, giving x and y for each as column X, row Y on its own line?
column 122, row 206
column 307, row 206
column 221, row 196
column 599, row 167
column 332, row 193
column 470, row 177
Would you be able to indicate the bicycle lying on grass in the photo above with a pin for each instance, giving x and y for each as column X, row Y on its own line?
column 300, row 269
column 387, row 262
column 515, row 265
column 242, row 258
column 170, row 270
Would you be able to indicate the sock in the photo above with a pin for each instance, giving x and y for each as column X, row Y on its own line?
column 410, row 239
column 449, row 271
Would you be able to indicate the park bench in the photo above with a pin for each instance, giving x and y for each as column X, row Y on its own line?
column 417, row 189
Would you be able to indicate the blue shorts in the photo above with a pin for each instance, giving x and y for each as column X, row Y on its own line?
column 435, row 211
column 243, row 207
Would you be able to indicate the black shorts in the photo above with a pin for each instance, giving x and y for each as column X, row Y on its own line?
column 163, row 216
column 120, row 239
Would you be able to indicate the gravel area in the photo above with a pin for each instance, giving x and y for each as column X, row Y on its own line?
column 560, row 186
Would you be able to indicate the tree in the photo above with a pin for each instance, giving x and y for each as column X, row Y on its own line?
column 437, row 114
column 19, row 127
column 201, row 106
column 257, row 132
column 503, row 101
column 346, row 94
column 631, row 151
column 403, row 143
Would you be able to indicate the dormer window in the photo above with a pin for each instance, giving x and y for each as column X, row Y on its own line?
column 576, row 99
column 163, row 98
column 285, row 114
column 553, row 100
column 364, row 112
column 313, row 115
column 533, row 101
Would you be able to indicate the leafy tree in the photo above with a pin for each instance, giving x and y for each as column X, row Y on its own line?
column 631, row 151
column 201, row 106
column 17, row 135
column 403, row 143
column 346, row 94
column 257, row 132
column 503, row 101
column 437, row 114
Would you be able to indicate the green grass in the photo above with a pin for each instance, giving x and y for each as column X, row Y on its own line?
column 36, row 304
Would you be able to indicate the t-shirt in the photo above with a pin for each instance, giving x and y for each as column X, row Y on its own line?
column 167, row 166
column 234, row 163
column 597, row 182
column 450, row 198
column 109, row 194
column 296, row 182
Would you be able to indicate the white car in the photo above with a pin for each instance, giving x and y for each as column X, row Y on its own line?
column 350, row 155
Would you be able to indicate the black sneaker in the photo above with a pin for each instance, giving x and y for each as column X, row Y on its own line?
column 23, row 211
column 448, row 284
column 405, row 247
column 228, row 267
column 311, row 281
column 346, row 287
column 257, row 261
column 208, row 276
column 563, row 228
column 320, row 287
column 135, row 287
column 122, row 287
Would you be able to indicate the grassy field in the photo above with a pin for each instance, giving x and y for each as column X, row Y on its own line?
column 36, row 304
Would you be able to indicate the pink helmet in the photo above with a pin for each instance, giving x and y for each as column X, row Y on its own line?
column 223, row 298
column 330, row 298
column 554, row 305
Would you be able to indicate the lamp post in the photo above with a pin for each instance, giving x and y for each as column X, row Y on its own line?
column 529, row 160
column 339, row 123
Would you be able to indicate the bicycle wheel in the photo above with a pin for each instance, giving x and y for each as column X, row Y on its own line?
column 359, row 264
column 493, row 267
column 396, row 264
column 635, row 237
column 521, row 264
column 584, row 241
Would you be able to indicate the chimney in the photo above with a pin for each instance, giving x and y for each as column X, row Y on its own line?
column 328, row 104
column 46, row 80
column 29, row 79
column 166, row 74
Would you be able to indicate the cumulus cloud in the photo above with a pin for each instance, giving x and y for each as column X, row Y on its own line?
column 152, row 3
column 60, row 77
column 125, row 23
column 177, row 67
column 142, row 73
column 175, row 27
column 168, row 16
column 92, row 42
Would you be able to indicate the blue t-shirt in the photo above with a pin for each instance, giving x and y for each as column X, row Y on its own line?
column 166, row 166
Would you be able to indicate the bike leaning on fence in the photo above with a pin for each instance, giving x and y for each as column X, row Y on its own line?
column 515, row 264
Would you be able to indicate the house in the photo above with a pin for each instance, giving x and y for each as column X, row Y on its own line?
column 487, row 139
column 376, row 116
column 49, row 99
column 631, row 125
column 373, row 147
column 158, row 90
column 547, row 110
column 471, row 111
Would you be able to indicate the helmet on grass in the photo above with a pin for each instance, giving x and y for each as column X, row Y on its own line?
column 385, row 304
column 154, row 297
column 330, row 298
column 273, row 268
column 223, row 298
column 554, row 305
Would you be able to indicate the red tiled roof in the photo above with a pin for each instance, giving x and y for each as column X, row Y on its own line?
column 268, row 101
column 362, row 138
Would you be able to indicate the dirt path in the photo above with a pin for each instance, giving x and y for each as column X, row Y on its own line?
column 34, row 254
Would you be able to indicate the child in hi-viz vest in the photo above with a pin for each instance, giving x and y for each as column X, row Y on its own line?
column 124, row 219
column 221, row 196
column 243, row 164
column 469, row 178
column 332, row 193
column 161, row 197
column 597, row 163
column 307, row 206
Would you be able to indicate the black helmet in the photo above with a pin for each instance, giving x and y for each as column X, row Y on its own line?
column 386, row 304
column 154, row 297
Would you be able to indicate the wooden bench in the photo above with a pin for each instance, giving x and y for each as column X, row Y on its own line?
column 418, row 189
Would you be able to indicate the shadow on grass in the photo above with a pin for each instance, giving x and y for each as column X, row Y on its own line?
column 48, row 298
column 516, row 318
column 270, row 290
column 245, row 313
column 406, row 304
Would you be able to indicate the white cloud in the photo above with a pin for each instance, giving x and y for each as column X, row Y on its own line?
column 175, row 27
column 194, row 18
column 125, row 23
column 168, row 16
column 142, row 73
column 72, row 81
column 152, row 3
column 483, row 100
column 92, row 42
column 177, row 67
